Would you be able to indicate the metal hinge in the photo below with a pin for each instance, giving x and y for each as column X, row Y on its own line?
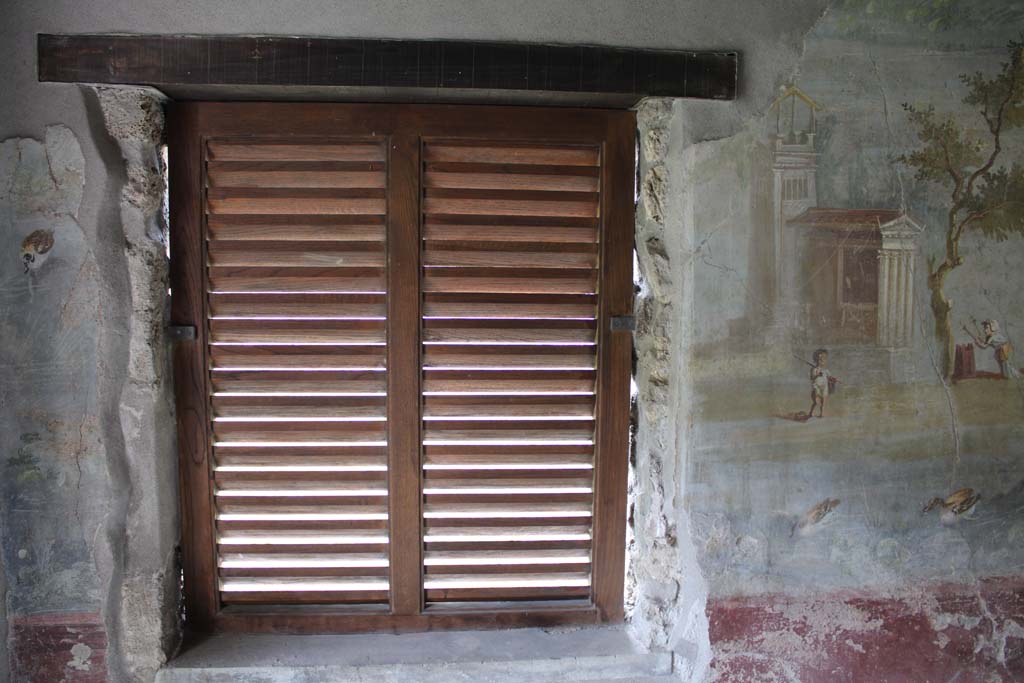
column 623, row 323
column 181, row 332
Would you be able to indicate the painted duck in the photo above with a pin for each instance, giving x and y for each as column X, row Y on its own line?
column 814, row 516
column 35, row 248
column 955, row 505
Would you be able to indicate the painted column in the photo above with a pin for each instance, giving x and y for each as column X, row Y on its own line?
column 778, row 226
column 896, row 282
column 908, row 311
column 890, row 306
column 895, row 297
column 906, row 259
column 793, row 160
column 897, row 307
column 882, row 332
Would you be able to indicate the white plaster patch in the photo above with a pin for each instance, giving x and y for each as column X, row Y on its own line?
column 42, row 178
column 771, row 669
column 810, row 626
column 67, row 165
column 942, row 620
column 830, row 616
column 749, row 550
column 41, row 186
column 891, row 552
column 80, row 655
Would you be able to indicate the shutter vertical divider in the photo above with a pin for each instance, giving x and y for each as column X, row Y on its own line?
column 614, row 370
column 403, row 362
column 191, row 377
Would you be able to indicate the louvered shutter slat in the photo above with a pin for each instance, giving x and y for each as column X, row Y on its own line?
column 296, row 265
column 348, row 228
column 254, row 306
column 508, row 280
column 339, row 202
column 506, row 156
column 296, row 253
column 230, row 279
column 442, row 233
column 288, row 151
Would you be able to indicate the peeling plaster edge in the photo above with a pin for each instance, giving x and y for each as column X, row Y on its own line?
column 687, row 132
column 795, row 71
column 111, row 379
column 5, row 662
column 691, row 633
column 723, row 119
column 668, row 593
column 11, row 637
column 917, row 590
column 798, row 629
column 147, row 592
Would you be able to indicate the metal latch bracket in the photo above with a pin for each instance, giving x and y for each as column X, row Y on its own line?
column 623, row 323
column 181, row 332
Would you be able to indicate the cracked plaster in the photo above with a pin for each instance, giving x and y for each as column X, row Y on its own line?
column 148, row 614
column 65, row 539
column 109, row 376
column 51, row 457
column 682, row 226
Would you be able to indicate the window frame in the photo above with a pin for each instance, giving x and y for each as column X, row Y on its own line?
column 190, row 125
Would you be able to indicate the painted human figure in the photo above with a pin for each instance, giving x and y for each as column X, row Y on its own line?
column 820, row 377
column 992, row 338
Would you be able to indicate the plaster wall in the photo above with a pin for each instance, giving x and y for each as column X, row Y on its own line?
column 4, row 656
column 745, row 437
column 666, row 592
column 823, row 556
column 86, row 448
column 88, row 445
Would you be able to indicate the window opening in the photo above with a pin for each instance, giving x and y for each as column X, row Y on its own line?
column 405, row 394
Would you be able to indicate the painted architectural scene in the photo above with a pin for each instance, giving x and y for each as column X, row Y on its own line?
column 841, row 439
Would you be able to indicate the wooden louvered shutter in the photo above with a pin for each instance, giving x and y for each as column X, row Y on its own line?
column 404, row 406
column 296, row 308
column 510, row 288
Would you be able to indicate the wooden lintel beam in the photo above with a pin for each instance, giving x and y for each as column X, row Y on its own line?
column 217, row 60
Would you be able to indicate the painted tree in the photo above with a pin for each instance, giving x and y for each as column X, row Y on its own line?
column 986, row 196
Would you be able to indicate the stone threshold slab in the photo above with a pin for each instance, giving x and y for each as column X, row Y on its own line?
column 535, row 655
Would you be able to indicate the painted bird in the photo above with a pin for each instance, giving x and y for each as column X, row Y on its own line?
column 36, row 248
column 814, row 516
column 956, row 504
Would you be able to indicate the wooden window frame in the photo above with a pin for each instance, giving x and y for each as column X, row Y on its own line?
column 190, row 124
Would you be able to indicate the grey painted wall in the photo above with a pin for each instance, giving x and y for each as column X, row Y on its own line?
column 80, row 477
column 895, row 436
column 85, row 450
column 4, row 657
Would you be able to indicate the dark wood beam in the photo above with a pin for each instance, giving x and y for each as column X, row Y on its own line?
column 179, row 61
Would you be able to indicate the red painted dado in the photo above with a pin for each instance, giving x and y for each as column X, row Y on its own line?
column 64, row 647
column 929, row 633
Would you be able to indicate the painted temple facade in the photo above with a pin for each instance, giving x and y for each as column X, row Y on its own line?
column 842, row 276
